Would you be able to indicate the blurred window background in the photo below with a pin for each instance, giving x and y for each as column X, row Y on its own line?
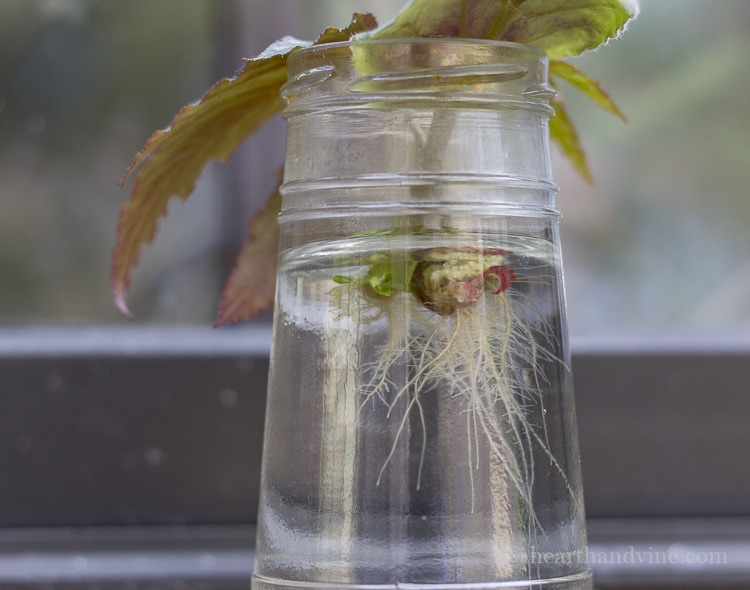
column 659, row 243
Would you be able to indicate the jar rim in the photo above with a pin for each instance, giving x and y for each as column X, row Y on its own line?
column 518, row 47
column 490, row 73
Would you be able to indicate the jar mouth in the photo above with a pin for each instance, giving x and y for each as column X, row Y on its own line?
column 490, row 74
column 428, row 41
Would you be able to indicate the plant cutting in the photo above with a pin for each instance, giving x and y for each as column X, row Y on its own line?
column 170, row 163
column 420, row 423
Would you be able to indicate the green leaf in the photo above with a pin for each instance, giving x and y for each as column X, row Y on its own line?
column 173, row 159
column 344, row 280
column 380, row 279
column 592, row 89
column 562, row 28
column 563, row 133
column 252, row 286
column 439, row 18
column 566, row 28
column 562, row 130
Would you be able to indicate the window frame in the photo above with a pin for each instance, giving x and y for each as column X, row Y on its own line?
column 168, row 422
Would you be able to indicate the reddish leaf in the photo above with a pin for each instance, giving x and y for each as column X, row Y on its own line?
column 173, row 159
column 252, row 286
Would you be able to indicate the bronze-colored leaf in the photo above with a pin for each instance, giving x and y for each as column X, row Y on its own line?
column 173, row 159
column 252, row 286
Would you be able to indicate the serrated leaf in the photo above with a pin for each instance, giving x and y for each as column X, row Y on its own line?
column 173, row 159
column 563, row 133
column 562, row 28
column 589, row 87
column 566, row 28
column 562, row 129
column 252, row 286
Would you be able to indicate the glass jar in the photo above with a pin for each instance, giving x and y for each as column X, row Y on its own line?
column 420, row 425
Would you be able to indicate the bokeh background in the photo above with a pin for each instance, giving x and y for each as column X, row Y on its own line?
column 659, row 243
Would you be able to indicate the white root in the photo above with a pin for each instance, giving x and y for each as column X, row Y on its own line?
column 482, row 354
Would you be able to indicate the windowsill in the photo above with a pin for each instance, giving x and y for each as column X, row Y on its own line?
column 624, row 554
column 150, row 438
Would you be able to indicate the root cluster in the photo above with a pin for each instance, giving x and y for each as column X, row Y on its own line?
column 487, row 358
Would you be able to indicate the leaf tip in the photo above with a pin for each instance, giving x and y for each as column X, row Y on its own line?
column 230, row 312
column 118, row 294
column 585, row 173
column 227, row 318
column 225, row 314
